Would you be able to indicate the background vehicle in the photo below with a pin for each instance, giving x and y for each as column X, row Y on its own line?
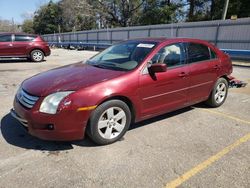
column 23, row 45
column 128, row 82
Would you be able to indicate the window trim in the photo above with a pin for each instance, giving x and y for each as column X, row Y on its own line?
column 211, row 50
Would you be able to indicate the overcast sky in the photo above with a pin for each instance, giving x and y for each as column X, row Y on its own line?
column 19, row 9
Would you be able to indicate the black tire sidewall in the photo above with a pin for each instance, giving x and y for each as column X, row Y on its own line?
column 95, row 116
column 31, row 55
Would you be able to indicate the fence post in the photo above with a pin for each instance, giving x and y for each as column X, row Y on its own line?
column 128, row 34
column 176, row 32
column 149, row 32
column 87, row 37
column 217, row 34
column 111, row 36
column 97, row 36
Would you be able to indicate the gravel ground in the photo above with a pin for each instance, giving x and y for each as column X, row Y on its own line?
column 192, row 142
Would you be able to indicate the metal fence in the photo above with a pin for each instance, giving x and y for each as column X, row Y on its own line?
column 225, row 34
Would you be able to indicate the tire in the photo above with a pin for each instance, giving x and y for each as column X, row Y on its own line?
column 36, row 56
column 109, row 122
column 218, row 94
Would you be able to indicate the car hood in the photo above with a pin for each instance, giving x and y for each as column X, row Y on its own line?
column 68, row 78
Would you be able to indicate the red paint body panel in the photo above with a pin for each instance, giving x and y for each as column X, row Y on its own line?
column 149, row 95
column 72, row 77
column 168, row 86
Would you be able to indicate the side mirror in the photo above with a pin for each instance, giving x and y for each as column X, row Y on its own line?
column 158, row 67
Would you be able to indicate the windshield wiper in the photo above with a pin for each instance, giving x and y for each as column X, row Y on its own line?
column 99, row 65
column 111, row 66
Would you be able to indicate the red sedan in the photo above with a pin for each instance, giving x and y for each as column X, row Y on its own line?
column 126, row 83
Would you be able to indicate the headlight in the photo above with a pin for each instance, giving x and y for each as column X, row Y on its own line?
column 51, row 102
column 18, row 91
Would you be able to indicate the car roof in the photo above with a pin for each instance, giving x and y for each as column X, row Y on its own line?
column 17, row 33
column 165, row 39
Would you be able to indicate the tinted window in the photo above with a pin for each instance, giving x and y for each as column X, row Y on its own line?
column 5, row 38
column 197, row 52
column 24, row 38
column 172, row 55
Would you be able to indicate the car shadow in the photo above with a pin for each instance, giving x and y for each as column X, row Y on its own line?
column 14, row 134
column 141, row 124
column 159, row 118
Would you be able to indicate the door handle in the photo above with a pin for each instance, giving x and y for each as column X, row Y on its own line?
column 183, row 74
column 217, row 67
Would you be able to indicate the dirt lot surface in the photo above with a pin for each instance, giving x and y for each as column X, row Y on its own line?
column 193, row 147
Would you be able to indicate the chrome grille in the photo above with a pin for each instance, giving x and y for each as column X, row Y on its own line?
column 26, row 99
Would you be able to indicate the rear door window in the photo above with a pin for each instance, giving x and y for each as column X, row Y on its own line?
column 5, row 38
column 23, row 38
column 197, row 52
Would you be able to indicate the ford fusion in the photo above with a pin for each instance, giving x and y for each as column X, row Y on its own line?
column 126, row 83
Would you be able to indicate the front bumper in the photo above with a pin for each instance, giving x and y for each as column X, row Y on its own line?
column 67, row 125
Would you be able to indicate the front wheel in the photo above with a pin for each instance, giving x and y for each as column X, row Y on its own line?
column 109, row 122
column 219, row 93
column 36, row 55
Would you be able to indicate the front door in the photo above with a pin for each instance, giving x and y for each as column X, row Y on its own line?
column 165, row 91
column 6, row 45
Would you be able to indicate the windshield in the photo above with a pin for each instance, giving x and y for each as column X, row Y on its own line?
column 123, row 56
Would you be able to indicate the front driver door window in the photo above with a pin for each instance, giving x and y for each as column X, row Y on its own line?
column 6, row 45
column 171, row 55
column 167, row 90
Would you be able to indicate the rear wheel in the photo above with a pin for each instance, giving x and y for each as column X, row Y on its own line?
column 109, row 122
column 36, row 55
column 219, row 93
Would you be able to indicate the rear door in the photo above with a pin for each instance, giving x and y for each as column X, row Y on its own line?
column 21, row 44
column 204, row 66
column 6, row 45
column 165, row 91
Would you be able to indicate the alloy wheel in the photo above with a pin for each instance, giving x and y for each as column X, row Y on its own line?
column 112, row 122
column 37, row 56
column 220, row 92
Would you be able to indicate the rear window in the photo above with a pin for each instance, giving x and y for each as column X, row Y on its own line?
column 20, row 38
column 197, row 52
column 5, row 38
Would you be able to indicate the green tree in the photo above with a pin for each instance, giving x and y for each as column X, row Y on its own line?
column 212, row 9
column 160, row 12
column 47, row 18
column 77, row 15
column 121, row 13
column 198, row 10
column 27, row 26
column 241, row 8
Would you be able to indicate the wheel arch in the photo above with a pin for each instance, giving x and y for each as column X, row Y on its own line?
column 31, row 50
column 125, row 100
